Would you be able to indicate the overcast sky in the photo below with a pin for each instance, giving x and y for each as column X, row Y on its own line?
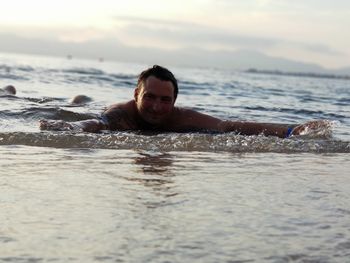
column 315, row 31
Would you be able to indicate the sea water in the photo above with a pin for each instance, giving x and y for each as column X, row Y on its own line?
column 136, row 197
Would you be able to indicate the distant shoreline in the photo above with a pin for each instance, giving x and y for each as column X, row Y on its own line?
column 298, row 74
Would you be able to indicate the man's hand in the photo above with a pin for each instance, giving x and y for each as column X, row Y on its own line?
column 313, row 127
column 59, row 126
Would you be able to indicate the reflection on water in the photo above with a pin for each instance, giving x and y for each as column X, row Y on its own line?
column 154, row 163
column 146, row 206
column 153, row 170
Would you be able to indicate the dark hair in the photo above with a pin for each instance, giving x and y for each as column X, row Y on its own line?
column 160, row 73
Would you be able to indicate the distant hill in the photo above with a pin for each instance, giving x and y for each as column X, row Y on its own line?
column 112, row 49
column 343, row 71
column 299, row 74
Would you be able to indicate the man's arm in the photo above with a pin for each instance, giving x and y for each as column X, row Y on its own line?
column 114, row 118
column 198, row 121
column 93, row 125
column 274, row 129
column 255, row 128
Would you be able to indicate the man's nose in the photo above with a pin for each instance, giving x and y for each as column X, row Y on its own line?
column 156, row 105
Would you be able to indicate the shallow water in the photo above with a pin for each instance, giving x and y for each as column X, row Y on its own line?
column 136, row 197
column 90, row 205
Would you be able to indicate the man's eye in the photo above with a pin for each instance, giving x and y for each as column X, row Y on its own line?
column 166, row 99
column 148, row 96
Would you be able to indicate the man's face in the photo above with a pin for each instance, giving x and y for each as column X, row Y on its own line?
column 155, row 100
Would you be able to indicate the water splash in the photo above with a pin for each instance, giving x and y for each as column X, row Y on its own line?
column 175, row 142
column 320, row 129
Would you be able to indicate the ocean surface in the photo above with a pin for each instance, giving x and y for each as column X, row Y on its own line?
column 195, row 197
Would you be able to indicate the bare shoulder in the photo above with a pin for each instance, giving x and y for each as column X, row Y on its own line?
column 121, row 116
column 192, row 115
column 121, row 109
column 126, row 106
column 191, row 120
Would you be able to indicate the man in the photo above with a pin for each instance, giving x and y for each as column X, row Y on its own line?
column 8, row 90
column 153, row 109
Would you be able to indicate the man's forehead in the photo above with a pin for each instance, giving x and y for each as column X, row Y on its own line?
column 152, row 83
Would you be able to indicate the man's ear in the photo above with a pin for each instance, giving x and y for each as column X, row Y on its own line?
column 136, row 93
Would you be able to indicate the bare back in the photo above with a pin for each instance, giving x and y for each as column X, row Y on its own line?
column 124, row 116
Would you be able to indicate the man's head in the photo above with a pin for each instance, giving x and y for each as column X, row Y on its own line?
column 160, row 73
column 9, row 89
column 155, row 94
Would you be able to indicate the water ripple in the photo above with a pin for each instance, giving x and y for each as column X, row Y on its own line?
column 174, row 142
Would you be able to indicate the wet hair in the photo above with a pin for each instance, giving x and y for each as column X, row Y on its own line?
column 10, row 89
column 160, row 73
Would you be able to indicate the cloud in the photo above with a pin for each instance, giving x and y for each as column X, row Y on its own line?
column 158, row 32
column 188, row 34
column 323, row 49
column 152, row 21
column 171, row 35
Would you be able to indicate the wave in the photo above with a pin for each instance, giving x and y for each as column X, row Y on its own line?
column 37, row 113
column 165, row 142
column 69, row 75
column 312, row 113
column 13, row 77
